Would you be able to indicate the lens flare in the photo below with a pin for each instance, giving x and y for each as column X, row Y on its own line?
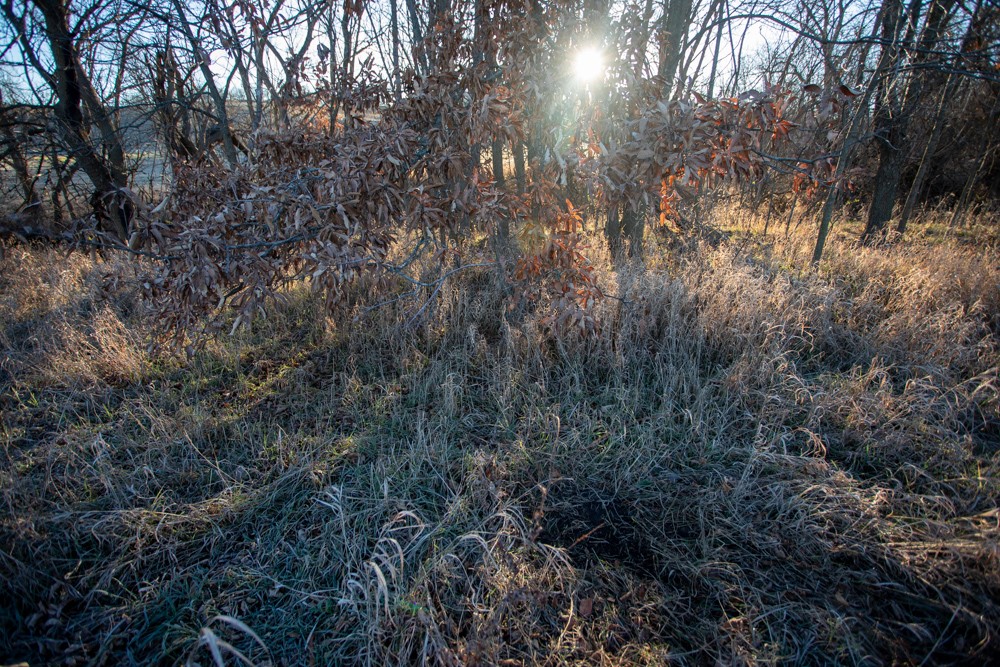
column 588, row 65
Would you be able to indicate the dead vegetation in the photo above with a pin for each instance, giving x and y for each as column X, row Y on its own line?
column 754, row 463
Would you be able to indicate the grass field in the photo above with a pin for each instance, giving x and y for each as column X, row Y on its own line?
column 756, row 463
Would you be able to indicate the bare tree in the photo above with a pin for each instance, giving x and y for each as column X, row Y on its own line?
column 13, row 140
column 88, row 129
column 900, row 92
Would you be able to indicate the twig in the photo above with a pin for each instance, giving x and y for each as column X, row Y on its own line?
column 437, row 284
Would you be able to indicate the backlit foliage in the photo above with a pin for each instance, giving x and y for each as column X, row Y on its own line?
column 326, row 204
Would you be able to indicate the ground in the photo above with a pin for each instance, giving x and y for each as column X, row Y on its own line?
column 754, row 463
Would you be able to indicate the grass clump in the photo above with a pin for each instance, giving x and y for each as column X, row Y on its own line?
column 753, row 464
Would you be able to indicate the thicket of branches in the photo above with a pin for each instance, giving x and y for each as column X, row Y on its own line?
column 242, row 145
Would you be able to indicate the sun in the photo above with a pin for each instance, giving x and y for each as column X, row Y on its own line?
column 588, row 65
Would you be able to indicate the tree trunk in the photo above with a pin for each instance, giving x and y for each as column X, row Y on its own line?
column 969, row 42
column 498, row 176
column 634, row 228
column 985, row 155
column 229, row 149
column 15, row 152
column 673, row 27
column 888, row 107
column 519, row 172
column 613, row 232
column 887, row 178
column 715, row 56
column 112, row 205
column 925, row 160
column 417, row 34
column 853, row 132
column 500, row 181
column 394, row 21
column 895, row 110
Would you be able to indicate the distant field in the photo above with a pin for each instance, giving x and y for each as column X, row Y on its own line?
column 151, row 171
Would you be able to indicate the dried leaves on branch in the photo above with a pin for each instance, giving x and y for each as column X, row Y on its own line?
column 326, row 204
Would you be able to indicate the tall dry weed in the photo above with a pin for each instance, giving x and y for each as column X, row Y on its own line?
column 754, row 463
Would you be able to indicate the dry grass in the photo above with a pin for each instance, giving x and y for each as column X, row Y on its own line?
column 755, row 464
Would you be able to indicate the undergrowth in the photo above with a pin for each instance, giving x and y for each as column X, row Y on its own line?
column 754, row 463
